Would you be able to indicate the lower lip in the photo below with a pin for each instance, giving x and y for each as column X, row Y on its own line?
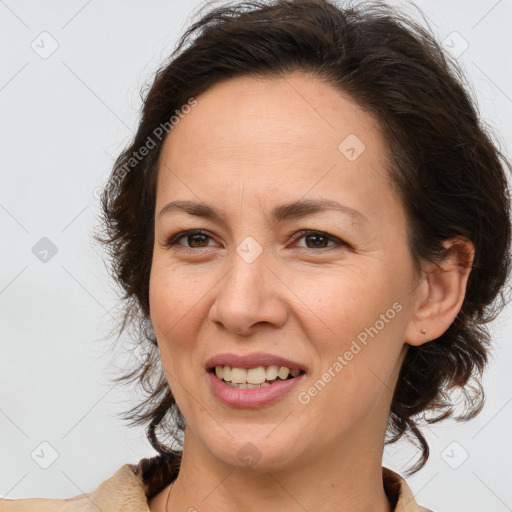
column 251, row 398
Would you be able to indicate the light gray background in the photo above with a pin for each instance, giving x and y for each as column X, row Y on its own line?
column 64, row 118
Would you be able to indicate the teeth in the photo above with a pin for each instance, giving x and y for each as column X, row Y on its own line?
column 238, row 376
column 283, row 372
column 254, row 377
column 272, row 372
column 248, row 386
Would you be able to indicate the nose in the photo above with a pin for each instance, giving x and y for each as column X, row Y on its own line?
column 249, row 295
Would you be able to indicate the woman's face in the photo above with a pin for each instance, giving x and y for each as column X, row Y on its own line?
column 301, row 262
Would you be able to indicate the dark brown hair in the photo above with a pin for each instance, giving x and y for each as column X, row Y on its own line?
column 449, row 174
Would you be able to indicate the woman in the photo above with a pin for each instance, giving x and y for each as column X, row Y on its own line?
column 311, row 228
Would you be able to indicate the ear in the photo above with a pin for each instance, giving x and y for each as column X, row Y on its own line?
column 441, row 292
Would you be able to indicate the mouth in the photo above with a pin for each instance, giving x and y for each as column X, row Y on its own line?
column 254, row 378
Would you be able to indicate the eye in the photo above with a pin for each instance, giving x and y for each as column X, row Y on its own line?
column 199, row 239
column 317, row 239
column 195, row 238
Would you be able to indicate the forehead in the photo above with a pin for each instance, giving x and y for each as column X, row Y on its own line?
column 273, row 117
column 278, row 135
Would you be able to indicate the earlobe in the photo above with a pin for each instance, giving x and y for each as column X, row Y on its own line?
column 442, row 292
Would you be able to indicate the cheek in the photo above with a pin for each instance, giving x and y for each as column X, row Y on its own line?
column 357, row 362
column 366, row 313
column 174, row 291
column 350, row 299
column 176, row 299
column 175, row 309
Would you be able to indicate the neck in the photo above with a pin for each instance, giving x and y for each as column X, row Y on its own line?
column 342, row 479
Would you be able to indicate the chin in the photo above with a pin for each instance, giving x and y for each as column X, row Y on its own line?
column 248, row 452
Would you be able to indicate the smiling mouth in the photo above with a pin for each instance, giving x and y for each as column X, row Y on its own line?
column 254, row 378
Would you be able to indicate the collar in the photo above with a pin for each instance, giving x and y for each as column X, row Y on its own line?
column 157, row 472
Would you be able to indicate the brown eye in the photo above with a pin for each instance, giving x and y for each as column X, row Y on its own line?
column 195, row 239
column 318, row 240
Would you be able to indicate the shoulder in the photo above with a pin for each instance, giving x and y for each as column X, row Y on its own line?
column 400, row 493
column 124, row 490
column 29, row 504
column 129, row 489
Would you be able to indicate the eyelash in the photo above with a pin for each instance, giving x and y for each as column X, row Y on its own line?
column 296, row 236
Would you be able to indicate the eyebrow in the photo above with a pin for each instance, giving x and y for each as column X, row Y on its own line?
column 296, row 209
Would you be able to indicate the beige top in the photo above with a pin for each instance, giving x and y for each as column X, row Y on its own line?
column 131, row 487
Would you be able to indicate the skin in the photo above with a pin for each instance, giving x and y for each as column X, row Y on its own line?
column 248, row 146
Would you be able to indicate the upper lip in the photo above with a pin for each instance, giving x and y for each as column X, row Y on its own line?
column 248, row 361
